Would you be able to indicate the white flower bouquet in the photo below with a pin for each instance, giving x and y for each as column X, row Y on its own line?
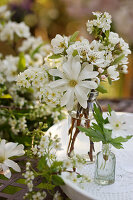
column 83, row 66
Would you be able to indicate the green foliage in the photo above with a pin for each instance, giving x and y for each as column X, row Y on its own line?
column 21, row 62
column 101, row 89
column 55, row 56
column 118, row 59
column 75, row 53
column 74, row 37
column 57, row 180
column 36, row 50
column 98, row 133
column 109, row 81
column 42, row 163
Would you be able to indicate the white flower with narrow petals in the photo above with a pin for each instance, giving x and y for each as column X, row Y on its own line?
column 116, row 122
column 8, row 150
column 74, row 82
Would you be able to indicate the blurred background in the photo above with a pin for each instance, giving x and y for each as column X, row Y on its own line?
column 49, row 17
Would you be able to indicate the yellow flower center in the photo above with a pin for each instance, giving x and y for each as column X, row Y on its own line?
column 72, row 83
column 62, row 45
column 117, row 125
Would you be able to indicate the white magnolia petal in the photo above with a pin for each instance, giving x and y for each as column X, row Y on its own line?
column 76, row 68
column 57, row 83
column 56, row 72
column 6, row 171
column 70, row 103
column 17, row 151
column 81, row 96
column 12, row 164
column 89, row 84
column 86, row 73
column 67, row 97
column 67, row 69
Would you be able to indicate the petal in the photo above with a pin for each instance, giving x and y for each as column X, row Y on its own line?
column 6, row 170
column 67, row 69
column 56, row 72
column 57, row 83
column 15, row 151
column 76, row 68
column 81, row 96
column 88, row 84
column 86, row 73
column 12, row 164
column 108, row 126
column 68, row 98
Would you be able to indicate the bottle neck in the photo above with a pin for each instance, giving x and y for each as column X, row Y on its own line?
column 106, row 148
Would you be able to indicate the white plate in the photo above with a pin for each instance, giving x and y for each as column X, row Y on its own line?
column 122, row 189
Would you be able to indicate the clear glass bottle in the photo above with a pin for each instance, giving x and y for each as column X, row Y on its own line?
column 82, row 117
column 105, row 166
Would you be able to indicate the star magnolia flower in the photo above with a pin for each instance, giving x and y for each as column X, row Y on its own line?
column 8, row 150
column 74, row 82
column 116, row 122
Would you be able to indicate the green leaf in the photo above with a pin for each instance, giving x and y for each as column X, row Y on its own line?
column 98, row 116
column 109, row 109
column 107, row 33
column 118, row 59
column 95, row 135
column 121, row 139
column 57, row 180
column 21, row 62
column 73, row 37
column 42, row 163
column 117, row 145
column 101, row 89
column 36, row 50
column 56, row 165
column 75, row 53
column 55, row 56
column 108, row 134
column 109, row 81
column 46, row 186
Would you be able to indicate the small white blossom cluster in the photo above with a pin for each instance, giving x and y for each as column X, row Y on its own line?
column 32, row 43
column 59, row 43
column 35, row 51
column 47, row 143
column 18, row 125
column 51, row 96
column 8, row 69
column 73, row 162
column 9, row 30
column 102, row 21
column 29, row 176
column 36, row 77
column 5, row 14
column 57, row 196
column 77, row 179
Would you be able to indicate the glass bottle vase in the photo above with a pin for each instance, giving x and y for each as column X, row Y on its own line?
column 82, row 117
column 105, row 166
